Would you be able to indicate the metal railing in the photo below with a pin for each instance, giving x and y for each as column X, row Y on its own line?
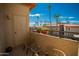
column 65, row 34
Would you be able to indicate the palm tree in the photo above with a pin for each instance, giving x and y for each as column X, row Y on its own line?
column 68, row 22
column 37, row 22
column 49, row 9
column 57, row 19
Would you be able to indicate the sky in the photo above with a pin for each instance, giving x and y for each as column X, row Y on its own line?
column 67, row 11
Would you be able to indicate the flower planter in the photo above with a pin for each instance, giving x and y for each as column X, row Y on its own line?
column 44, row 32
column 39, row 31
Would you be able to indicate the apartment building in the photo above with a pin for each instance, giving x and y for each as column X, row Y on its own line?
column 69, row 29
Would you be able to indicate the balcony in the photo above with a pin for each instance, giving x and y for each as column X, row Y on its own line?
column 63, row 44
column 45, row 45
column 15, row 33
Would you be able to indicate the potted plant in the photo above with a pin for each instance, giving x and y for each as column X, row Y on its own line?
column 44, row 30
column 38, row 30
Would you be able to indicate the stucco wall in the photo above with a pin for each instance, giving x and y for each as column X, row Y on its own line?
column 2, row 39
column 11, row 17
column 68, row 46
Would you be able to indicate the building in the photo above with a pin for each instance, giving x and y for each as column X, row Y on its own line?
column 14, row 24
column 69, row 29
column 72, row 29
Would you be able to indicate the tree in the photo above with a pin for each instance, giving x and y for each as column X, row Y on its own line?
column 57, row 18
column 49, row 9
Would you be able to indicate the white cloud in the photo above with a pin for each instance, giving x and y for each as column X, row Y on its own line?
column 64, row 21
column 72, row 21
column 66, row 17
column 33, row 15
column 71, row 17
column 63, row 17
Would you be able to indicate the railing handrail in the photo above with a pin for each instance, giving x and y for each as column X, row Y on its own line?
column 64, row 31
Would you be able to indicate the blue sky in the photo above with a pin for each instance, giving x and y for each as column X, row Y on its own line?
column 67, row 11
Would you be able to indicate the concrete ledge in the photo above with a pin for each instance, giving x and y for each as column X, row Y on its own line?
column 70, row 47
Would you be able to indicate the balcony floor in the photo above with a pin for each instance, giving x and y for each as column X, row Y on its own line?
column 20, row 51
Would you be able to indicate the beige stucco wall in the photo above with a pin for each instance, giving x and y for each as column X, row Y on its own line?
column 68, row 46
column 2, row 39
column 11, row 17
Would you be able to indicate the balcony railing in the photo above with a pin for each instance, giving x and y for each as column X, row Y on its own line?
column 52, row 45
column 61, row 34
column 65, row 34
